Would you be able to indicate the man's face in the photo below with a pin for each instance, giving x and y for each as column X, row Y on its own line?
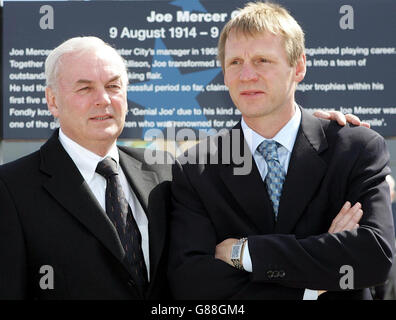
column 90, row 97
column 260, row 79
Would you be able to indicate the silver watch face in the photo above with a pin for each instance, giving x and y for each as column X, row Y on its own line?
column 236, row 251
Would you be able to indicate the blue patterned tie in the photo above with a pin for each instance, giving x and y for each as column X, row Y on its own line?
column 120, row 214
column 275, row 176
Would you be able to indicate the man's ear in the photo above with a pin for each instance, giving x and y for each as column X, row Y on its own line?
column 301, row 68
column 51, row 101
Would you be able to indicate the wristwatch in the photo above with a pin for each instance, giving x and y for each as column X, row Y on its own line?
column 236, row 253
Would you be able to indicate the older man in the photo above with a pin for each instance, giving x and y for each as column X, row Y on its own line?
column 82, row 218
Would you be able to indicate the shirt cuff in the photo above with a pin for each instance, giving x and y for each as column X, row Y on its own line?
column 246, row 260
column 310, row 294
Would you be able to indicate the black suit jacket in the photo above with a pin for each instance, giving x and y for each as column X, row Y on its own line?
column 329, row 165
column 49, row 216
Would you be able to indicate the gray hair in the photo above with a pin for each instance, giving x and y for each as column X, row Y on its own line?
column 75, row 45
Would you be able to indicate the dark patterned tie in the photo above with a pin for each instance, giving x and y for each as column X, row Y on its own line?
column 120, row 214
column 275, row 176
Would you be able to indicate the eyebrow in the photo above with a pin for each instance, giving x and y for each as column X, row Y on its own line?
column 86, row 81
column 256, row 55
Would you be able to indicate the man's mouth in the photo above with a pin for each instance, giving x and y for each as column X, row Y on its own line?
column 251, row 92
column 104, row 117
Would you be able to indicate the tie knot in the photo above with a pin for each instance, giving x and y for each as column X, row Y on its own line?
column 268, row 149
column 107, row 167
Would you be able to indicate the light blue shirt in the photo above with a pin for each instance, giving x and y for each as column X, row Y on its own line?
column 286, row 138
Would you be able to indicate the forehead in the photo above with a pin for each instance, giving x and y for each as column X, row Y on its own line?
column 93, row 64
column 264, row 42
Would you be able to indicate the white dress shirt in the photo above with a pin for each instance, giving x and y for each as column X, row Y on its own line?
column 86, row 162
column 286, row 137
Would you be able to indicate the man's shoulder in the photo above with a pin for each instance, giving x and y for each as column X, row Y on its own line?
column 143, row 154
column 16, row 174
column 21, row 165
column 150, row 159
column 351, row 134
column 36, row 164
column 337, row 134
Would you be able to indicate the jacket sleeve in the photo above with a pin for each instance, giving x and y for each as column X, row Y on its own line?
column 322, row 261
column 12, row 249
column 194, row 273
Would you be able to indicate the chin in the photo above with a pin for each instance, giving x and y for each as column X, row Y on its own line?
column 251, row 114
column 105, row 135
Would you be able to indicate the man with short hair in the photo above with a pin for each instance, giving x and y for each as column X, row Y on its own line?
column 82, row 218
column 288, row 225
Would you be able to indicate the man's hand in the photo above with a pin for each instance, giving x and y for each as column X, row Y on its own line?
column 347, row 219
column 341, row 118
column 223, row 250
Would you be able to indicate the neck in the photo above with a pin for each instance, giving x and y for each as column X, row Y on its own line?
column 99, row 147
column 269, row 125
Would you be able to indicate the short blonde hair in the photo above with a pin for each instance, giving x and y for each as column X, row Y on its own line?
column 258, row 17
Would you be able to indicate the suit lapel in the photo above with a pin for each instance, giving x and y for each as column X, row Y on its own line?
column 66, row 185
column 305, row 172
column 143, row 182
column 248, row 189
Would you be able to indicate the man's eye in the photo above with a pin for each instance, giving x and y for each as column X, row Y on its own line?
column 113, row 86
column 234, row 62
column 83, row 89
column 263, row 60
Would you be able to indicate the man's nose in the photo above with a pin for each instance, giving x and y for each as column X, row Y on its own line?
column 102, row 98
column 248, row 73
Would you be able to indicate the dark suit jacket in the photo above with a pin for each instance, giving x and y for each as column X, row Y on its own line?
column 49, row 216
column 329, row 165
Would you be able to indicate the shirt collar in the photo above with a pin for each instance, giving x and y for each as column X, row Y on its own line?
column 286, row 136
column 85, row 160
